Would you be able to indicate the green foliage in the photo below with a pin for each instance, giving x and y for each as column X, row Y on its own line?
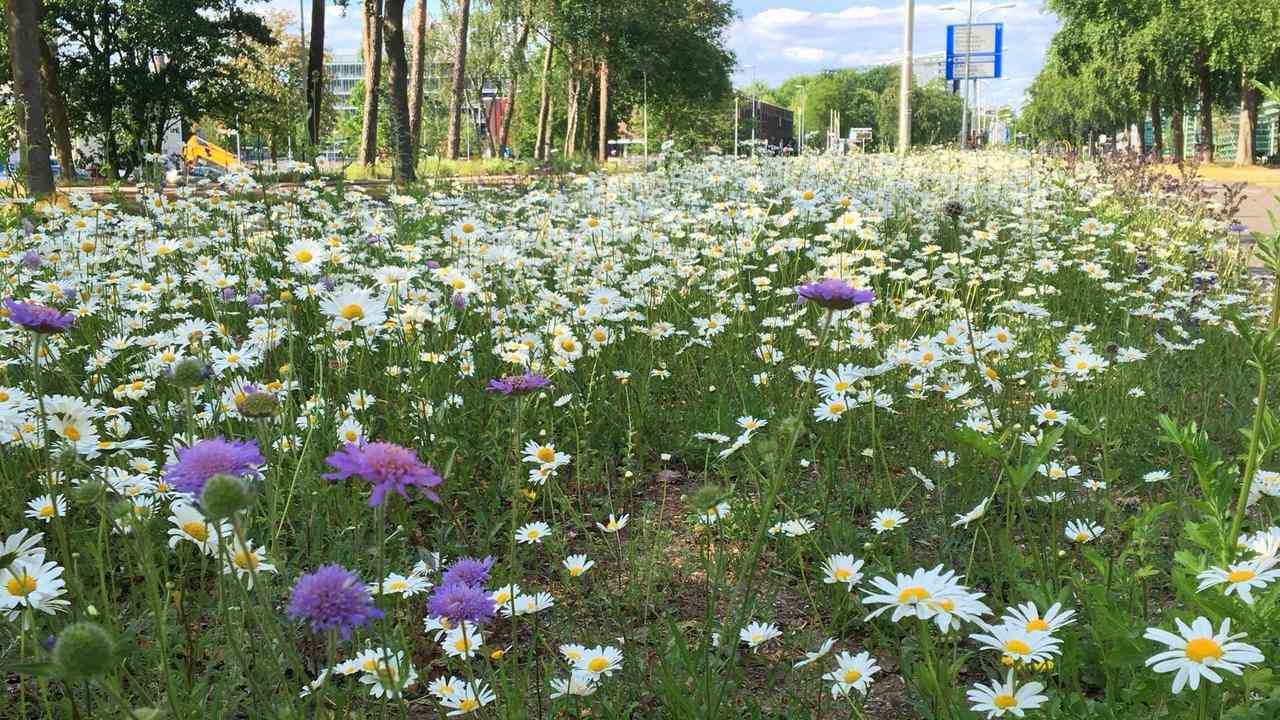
column 935, row 115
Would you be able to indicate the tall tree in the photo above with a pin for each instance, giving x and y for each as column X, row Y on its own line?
column 315, row 72
column 515, row 69
column 57, row 109
column 458, row 85
column 372, row 81
column 418, row 71
column 544, row 103
column 602, row 148
column 398, row 65
column 23, row 18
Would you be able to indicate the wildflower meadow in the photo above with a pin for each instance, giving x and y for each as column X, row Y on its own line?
column 944, row 436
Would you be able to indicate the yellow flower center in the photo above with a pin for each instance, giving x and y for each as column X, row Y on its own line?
column 1037, row 624
column 598, row 664
column 1202, row 648
column 852, row 676
column 70, row 433
column 1004, row 701
column 46, row 511
column 468, row 228
column 568, row 345
column 468, row 705
column 196, row 529
column 545, row 454
column 20, row 585
column 1238, row 576
column 461, row 645
column 575, row 571
column 1016, row 647
column 913, row 595
column 246, row 560
column 351, row 312
column 807, row 195
column 303, row 256
column 843, row 574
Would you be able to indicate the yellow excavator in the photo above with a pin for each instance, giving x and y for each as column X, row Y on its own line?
column 198, row 149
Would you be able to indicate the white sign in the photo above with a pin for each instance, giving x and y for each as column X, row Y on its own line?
column 974, row 68
column 975, row 39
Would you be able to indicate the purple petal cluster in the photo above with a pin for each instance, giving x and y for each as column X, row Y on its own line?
column 518, row 384
column 468, row 571
column 213, row 456
column 38, row 318
column 834, row 294
column 461, row 602
column 387, row 466
column 332, row 598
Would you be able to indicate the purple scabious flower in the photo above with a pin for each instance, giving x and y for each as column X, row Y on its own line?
column 461, row 602
column 213, row 456
column 518, row 384
column 468, row 571
column 32, row 260
column 332, row 598
column 386, row 466
column 253, row 299
column 833, row 294
column 38, row 318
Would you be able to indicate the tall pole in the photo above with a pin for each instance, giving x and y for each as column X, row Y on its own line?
column 735, row 123
column 904, row 83
column 968, row 64
column 646, row 119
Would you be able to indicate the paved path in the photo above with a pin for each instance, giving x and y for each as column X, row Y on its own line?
column 1253, row 211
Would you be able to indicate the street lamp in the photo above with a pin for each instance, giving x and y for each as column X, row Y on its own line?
column 904, row 82
column 968, row 61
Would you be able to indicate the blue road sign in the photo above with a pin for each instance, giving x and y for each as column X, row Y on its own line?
column 975, row 51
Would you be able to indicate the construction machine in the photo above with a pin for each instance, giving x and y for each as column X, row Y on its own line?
column 198, row 149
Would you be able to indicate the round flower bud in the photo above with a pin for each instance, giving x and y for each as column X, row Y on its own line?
column 84, row 650
column 189, row 372
column 224, row 496
column 258, row 405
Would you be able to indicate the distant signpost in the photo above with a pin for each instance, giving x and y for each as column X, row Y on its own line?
column 861, row 136
column 975, row 52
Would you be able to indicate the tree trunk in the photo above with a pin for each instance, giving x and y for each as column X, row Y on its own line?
column 1206, row 108
column 57, row 105
column 1177, row 131
column 315, row 72
column 459, row 81
column 1157, row 129
column 1248, row 120
column 24, row 57
column 398, row 75
column 513, row 89
column 372, row 80
column 603, row 146
column 544, row 103
column 572, row 98
column 418, row 72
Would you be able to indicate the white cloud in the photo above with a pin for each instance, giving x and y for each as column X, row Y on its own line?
column 806, row 54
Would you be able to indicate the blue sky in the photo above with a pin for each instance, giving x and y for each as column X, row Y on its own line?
column 781, row 38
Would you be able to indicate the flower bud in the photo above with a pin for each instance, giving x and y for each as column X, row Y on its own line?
column 84, row 650
column 224, row 496
column 259, row 405
column 189, row 372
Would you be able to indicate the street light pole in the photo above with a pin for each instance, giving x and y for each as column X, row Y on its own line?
column 968, row 66
column 904, row 83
